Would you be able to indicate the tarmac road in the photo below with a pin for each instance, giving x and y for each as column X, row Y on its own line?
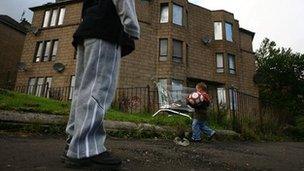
column 30, row 152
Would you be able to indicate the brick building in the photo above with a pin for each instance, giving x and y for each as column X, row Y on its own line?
column 12, row 36
column 181, row 44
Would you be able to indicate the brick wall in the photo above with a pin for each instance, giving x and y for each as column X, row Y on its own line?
column 140, row 67
column 11, row 45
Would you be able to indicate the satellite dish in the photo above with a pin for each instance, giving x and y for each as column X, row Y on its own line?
column 206, row 40
column 21, row 66
column 59, row 67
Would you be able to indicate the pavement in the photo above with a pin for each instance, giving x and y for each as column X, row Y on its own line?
column 31, row 152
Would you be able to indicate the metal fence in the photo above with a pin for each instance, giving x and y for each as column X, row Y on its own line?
column 242, row 110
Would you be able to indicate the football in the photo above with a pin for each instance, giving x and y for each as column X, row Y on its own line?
column 195, row 98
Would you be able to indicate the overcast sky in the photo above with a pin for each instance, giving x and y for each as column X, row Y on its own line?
column 279, row 20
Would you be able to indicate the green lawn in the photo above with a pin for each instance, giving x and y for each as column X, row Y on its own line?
column 22, row 102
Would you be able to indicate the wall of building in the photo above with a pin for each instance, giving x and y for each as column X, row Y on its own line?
column 11, row 45
column 139, row 68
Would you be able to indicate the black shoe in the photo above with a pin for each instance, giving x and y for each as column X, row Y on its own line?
column 103, row 161
column 195, row 141
column 211, row 137
column 64, row 156
column 66, row 148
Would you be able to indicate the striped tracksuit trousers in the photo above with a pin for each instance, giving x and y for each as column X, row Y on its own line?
column 97, row 71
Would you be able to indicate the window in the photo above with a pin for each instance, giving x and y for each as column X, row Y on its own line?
column 177, row 51
column 61, row 16
column 46, row 51
column 219, row 63
column 221, row 97
column 39, row 51
column 218, row 32
column 177, row 88
column 229, row 32
column 31, row 86
column 177, row 15
column 54, row 50
column 233, row 99
column 164, row 13
column 163, row 49
column 72, row 86
column 53, row 17
column 40, row 86
column 46, row 20
column 231, row 64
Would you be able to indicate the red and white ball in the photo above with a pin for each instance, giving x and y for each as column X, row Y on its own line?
column 195, row 98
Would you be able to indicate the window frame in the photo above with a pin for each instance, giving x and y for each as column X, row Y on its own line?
column 162, row 57
column 57, row 19
column 177, row 59
column 48, row 18
column 162, row 5
column 42, row 57
column 223, row 92
column 182, row 14
column 52, row 56
column 37, row 51
column 220, row 70
column 31, row 90
column 226, row 31
column 221, row 31
column 231, row 70
column 45, row 43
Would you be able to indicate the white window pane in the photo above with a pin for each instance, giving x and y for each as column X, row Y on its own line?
column 55, row 49
column 219, row 60
column 229, row 32
column 40, row 85
column 47, row 51
column 72, row 86
column 46, row 18
column 163, row 47
column 61, row 17
column 54, row 17
column 218, row 32
column 221, row 96
column 219, row 63
column 164, row 15
column 177, row 15
column 39, row 51
column 31, row 85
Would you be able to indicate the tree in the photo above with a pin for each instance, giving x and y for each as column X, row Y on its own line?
column 280, row 77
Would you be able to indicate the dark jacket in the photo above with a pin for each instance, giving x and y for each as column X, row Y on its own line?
column 101, row 21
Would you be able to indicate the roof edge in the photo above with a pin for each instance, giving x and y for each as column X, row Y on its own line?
column 54, row 4
column 252, row 34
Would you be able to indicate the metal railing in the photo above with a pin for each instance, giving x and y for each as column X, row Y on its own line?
column 241, row 109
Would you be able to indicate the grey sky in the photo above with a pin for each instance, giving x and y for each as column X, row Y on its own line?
column 279, row 20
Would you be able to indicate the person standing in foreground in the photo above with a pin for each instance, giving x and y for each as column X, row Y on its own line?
column 106, row 34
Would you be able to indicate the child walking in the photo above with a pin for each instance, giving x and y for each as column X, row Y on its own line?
column 199, row 122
